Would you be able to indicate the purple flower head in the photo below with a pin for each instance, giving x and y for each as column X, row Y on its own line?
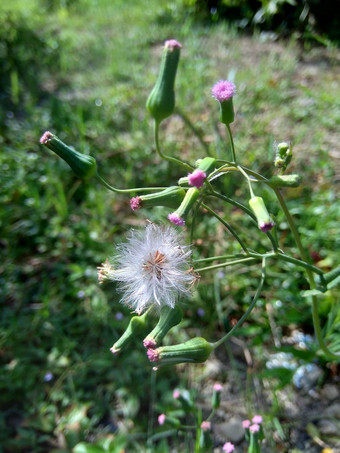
column 257, row 419
column 153, row 355
column 228, row 447
column 172, row 43
column 119, row 315
column 246, row 424
column 196, row 178
column 200, row 312
column 135, row 203
column 223, row 90
column 161, row 419
column 176, row 394
column 176, row 219
column 149, row 343
column 266, row 226
column 205, row 425
column 218, row 387
column 255, row 428
column 48, row 377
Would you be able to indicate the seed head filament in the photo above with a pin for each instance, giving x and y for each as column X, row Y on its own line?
column 154, row 264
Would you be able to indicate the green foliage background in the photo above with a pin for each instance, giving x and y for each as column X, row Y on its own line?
column 83, row 70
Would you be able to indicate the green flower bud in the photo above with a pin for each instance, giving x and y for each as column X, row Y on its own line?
column 170, row 197
column 161, row 101
column 208, row 164
column 205, row 440
column 196, row 350
column 136, row 327
column 285, row 181
column 215, row 401
column 264, row 220
column 169, row 317
column 83, row 166
column 283, row 155
column 178, row 217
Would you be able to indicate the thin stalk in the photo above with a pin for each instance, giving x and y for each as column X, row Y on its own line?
column 137, row 189
column 229, row 228
column 249, row 260
column 149, row 441
column 310, row 275
column 231, row 143
column 251, row 306
column 217, row 257
column 248, row 180
column 164, row 156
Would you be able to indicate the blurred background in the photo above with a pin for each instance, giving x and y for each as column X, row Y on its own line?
column 83, row 70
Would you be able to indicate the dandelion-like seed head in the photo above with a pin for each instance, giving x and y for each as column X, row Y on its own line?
column 151, row 268
column 223, row 90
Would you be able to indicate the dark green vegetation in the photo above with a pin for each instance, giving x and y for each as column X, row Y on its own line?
column 84, row 70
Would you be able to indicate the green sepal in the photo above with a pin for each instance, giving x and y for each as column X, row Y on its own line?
column 207, row 164
column 227, row 114
column 196, row 350
column 188, row 202
column 169, row 317
column 264, row 220
column 170, row 197
column 161, row 101
column 83, row 166
column 293, row 180
column 136, row 327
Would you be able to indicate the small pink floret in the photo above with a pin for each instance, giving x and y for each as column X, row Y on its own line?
column 255, row 428
column 228, row 447
column 246, row 424
column 257, row 419
column 223, row 90
column 172, row 43
column 46, row 137
column 153, row 355
column 176, row 219
column 161, row 419
column 149, row 343
column 135, row 203
column 114, row 350
column 218, row 387
column 205, row 425
column 196, row 178
column 266, row 226
column 176, row 394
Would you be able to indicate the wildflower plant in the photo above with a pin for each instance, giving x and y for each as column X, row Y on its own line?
column 154, row 268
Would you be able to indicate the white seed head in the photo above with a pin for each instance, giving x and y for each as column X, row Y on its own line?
column 152, row 267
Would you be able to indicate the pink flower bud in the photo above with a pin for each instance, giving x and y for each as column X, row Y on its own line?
column 246, row 424
column 161, row 419
column 176, row 219
column 218, row 387
column 255, row 428
column 135, row 203
column 223, row 90
column 228, row 447
column 196, row 178
column 176, row 394
column 257, row 419
column 205, row 425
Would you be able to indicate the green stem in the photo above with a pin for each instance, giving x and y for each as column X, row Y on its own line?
column 251, row 306
column 229, row 228
column 310, row 275
column 137, row 189
column 231, row 143
column 217, row 257
column 164, row 156
column 248, row 180
column 250, row 260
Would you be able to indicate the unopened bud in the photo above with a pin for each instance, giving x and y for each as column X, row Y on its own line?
column 161, row 101
column 283, row 155
column 223, row 91
column 205, row 441
column 216, row 396
column 136, row 327
column 285, row 181
column 82, row 165
column 264, row 220
column 170, row 197
column 178, row 217
column 196, row 350
column 169, row 317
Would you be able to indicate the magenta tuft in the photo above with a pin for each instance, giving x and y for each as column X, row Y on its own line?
column 172, row 43
column 176, row 219
column 266, row 226
column 196, row 178
column 257, row 419
column 228, row 447
column 149, row 343
column 153, row 355
column 255, row 428
column 176, row 394
column 246, row 424
column 223, row 90
column 46, row 137
column 218, row 387
column 205, row 425
column 161, row 419
column 135, row 203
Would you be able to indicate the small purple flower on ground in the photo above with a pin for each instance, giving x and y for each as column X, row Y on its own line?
column 48, row 377
column 119, row 315
column 200, row 312
column 223, row 90
column 196, row 178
